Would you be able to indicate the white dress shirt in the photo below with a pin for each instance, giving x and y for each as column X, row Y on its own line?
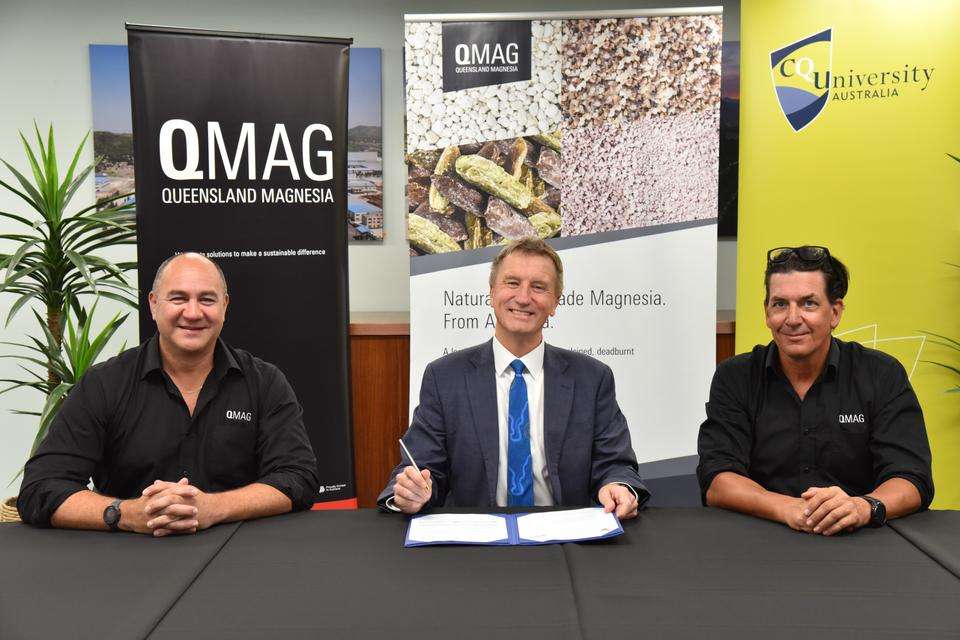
column 533, row 376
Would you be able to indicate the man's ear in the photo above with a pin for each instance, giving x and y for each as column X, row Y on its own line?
column 837, row 308
column 152, row 300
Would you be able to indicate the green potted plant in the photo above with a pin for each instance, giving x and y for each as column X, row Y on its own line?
column 55, row 261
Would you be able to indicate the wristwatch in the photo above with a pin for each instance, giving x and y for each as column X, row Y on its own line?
column 878, row 511
column 111, row 515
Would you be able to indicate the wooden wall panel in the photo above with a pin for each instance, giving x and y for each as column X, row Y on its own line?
column 380, row 379
column 725, row 346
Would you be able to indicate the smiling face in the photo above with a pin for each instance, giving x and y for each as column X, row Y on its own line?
column 189, row 306
column 523, row 296
column 800, row 316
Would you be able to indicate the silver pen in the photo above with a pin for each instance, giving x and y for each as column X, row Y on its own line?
column 409, row 457
column 412, row 462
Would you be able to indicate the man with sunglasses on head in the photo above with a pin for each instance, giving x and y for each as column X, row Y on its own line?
column 820, row 434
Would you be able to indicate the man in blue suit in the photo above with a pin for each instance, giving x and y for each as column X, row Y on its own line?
column 514, row 421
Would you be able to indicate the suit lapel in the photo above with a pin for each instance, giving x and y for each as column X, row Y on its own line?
column 557, row 402
column 482, row 391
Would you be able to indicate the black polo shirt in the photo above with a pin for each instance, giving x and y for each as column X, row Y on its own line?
column 125, row 425
column 859, row 425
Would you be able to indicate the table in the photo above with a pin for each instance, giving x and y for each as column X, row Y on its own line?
column 675, row 573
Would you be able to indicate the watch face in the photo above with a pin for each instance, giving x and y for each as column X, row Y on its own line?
column 111, row 515
column 880, row 512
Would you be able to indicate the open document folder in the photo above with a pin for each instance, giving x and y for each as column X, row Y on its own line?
column 512, row 529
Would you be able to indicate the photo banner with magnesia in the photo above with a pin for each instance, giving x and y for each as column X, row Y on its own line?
column 600, row 135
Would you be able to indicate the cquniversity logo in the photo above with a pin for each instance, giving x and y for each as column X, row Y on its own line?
column 801, row 78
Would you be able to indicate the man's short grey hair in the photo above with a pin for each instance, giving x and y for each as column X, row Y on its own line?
column 531, row 246
column 165, row 263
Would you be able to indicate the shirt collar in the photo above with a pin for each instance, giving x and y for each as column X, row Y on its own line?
column 223, row 360
column 502, row 358
column 772, row 362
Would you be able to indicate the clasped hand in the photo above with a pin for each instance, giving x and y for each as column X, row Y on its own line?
column 827, row 511
column 167, row 508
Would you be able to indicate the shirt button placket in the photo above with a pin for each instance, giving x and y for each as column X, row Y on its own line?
column 808, row 442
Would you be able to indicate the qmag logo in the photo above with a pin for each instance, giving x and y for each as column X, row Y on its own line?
column 804, row 81
column 481, row 54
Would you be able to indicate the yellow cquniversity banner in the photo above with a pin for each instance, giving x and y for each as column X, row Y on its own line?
column 850, row 112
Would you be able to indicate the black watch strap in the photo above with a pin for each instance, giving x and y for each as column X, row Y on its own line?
column 111, row 515
column 878, row 511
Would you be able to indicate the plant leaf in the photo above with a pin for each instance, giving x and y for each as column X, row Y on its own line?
column 68, row 179
column 113, row 296
column 50, row 410
column 81, row 264
column 23, row 273
column 35, row 166
column 14, row 216
column 67, row 196
column 18, row 256
column 945, row 366
column 22, row 300
column 32, row 197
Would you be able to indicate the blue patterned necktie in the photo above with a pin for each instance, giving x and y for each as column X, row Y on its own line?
column 519, row 462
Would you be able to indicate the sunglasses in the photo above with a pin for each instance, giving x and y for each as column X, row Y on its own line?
column 806, row 253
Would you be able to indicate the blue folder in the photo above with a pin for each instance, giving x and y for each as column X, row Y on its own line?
column 513, row 534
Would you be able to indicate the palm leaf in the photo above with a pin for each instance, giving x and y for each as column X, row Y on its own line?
column 100, row 203
column 18, row 256
column 953, row 344
column 23, row 273
column 22, row 300
column 53, row 180
column 81, row 263
column 119, row 298
column 14, row 216
column 50, row 410
column 69, row 183
column 949, row 367
column 67, row 195
column 38, row 177
column 31, row 196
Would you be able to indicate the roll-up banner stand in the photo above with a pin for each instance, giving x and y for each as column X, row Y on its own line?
column 600, row 133
column 240, row 154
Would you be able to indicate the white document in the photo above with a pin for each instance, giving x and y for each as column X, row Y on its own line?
column 457, row 527
column 576, row 524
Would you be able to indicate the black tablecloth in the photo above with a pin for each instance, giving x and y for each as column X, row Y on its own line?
column 92, row 584
column 675, row 573
column 936, row 533
column 705, row 573
column 340, row 574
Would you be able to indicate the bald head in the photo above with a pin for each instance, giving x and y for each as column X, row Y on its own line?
column 192, row 257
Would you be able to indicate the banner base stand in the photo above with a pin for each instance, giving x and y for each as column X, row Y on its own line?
column 350, row 503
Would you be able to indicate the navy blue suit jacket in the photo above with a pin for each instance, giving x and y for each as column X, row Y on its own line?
column 455, row 431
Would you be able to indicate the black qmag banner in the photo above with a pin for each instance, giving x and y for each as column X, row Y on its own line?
column 240, row 154
column 480, row 54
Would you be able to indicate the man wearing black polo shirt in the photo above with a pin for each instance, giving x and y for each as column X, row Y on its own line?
column 820, row 434
column 182, row 405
